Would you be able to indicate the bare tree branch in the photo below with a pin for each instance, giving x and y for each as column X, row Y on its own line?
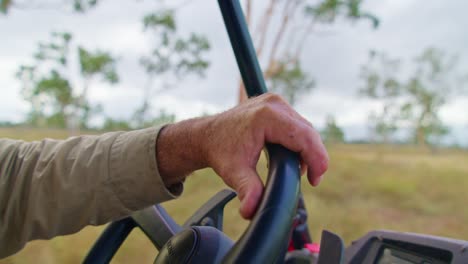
column 289, row 10
column 262, row 28
column 248, row 11
column 242, row 93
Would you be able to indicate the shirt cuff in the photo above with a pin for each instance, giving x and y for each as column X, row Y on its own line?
column 134, row 173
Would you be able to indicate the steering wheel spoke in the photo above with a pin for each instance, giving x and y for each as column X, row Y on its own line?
column 211, row 213
column 157, row 224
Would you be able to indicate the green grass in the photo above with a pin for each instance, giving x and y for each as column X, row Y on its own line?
column 367, row 187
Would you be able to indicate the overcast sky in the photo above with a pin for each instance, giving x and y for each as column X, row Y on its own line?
column 333, row 56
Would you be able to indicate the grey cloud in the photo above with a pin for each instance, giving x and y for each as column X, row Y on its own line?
column 333, row 59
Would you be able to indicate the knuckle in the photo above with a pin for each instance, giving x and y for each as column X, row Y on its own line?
column 265, row 110
column 268, row 106
column 272, row 98
column 309, row 124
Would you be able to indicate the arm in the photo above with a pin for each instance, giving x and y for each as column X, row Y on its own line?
column 54, row 187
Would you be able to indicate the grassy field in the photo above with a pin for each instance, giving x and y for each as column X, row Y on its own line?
column 367, row 187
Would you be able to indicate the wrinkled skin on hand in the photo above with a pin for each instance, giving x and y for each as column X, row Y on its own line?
column 231, row 143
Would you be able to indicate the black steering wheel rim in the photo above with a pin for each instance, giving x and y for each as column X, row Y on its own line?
column 265, row 240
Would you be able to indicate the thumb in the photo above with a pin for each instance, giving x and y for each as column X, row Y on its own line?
column 249, row 188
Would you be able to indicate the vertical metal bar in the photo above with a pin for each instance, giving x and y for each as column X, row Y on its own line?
column 246, row 250
column 244, row 50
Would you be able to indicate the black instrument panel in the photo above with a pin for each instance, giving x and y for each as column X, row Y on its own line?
column 389, row 247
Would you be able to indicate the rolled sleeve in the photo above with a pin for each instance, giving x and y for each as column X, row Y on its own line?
column 57, row 187
column 133, row 170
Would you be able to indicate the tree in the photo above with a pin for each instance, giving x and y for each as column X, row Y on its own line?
column 97, row 64
column 415, row 100
column 282, row 53
column 111, row 124
column 382, row 84
column 332, row 133
column 55, row 100
column 173, row 59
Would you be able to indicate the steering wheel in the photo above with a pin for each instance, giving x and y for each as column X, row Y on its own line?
column 266, row 238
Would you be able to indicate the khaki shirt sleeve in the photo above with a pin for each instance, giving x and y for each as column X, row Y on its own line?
column 56, row 187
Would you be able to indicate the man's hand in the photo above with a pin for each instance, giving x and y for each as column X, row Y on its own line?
column 231, row 143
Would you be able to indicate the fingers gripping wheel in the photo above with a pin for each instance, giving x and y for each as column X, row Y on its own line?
column 195, row 245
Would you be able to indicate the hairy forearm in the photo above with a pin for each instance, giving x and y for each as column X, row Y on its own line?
column 180, row 149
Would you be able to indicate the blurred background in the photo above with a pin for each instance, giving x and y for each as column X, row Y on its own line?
column 385, row 82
